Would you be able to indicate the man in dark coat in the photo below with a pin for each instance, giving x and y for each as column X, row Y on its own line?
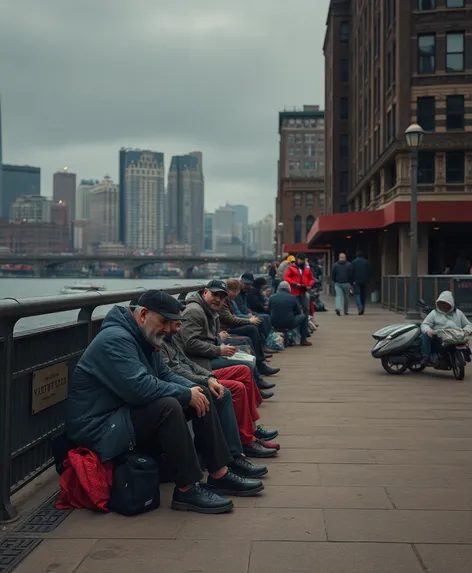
column 286, row 312
column 122, row 397
column 361, row 273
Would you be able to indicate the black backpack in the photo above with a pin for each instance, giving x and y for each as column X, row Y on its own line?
column 135, row 486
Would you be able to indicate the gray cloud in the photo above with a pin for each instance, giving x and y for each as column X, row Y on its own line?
column 80, row 79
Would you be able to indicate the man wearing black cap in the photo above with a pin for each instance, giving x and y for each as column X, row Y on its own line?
column 300, row 278
column 122, row 398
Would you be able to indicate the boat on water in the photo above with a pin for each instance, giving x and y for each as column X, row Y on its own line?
column 82, row 287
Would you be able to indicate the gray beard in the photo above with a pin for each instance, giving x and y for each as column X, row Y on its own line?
column 154, row 340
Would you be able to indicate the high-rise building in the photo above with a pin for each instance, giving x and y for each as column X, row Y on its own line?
column 142, row 199
column 63, row 191
column 389, row 64
column 300, row 191
column 31, row 209
column 261, row 236
column 185, row 200
column 209, row 240
column 241, row 222
column 1, row 162
column 82, row 198
column 18, row 180
column 104, row 212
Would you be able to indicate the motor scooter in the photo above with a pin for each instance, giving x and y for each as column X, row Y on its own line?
column 398, row 346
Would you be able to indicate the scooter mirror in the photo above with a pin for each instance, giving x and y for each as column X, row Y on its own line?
column 421, row 302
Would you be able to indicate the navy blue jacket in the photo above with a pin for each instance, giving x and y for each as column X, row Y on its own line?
column 117, row 372
column 283, row 308
column 361, row 270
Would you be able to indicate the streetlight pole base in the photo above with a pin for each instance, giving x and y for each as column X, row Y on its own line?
column 413, row 316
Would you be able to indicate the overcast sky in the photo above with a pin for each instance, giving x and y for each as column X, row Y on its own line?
column 80, row 79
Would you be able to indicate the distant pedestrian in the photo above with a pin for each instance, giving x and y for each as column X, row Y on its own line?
column 361, row 275
column 341, row 275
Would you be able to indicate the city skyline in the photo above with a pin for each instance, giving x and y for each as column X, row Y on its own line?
column 213, row 97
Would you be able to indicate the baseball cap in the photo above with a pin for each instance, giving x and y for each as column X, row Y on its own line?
column 217, row 285
column 161, row 302
column 247, row 278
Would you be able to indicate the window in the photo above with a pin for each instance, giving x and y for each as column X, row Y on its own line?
column 455, row 52
column 455, row 112
column 344, row 108
column 344, row 32
column 394, row 63
column 426, row 53
column 309, row 199
column 394, row 121
column 425, row 112
column 297, row 229
column 321, row 201
column 291, row 151
column 426, row 4
column 389, row 127
column 297, row 200
column 426, row 166
column 344, row 70
column 344, row 145
column 455, row 167
column 454, row 3
column 344, row 208
column 344, row 183
column 310, row 221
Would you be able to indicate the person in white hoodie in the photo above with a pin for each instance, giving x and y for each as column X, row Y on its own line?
column 445, row 315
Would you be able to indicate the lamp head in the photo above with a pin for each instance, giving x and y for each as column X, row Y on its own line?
column 414, row 136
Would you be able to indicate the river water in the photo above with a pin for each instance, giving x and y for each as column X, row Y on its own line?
column 28, row 287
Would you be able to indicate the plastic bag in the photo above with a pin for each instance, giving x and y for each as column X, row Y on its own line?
column 275, row 341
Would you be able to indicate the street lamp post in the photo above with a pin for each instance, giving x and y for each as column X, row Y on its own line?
column 414, row 137
column 281, row 240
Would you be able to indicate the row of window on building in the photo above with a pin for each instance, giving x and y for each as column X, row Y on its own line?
column 303, row 123
column 308, row 200
column 455, row 112
column 455, row 52
column 298, row 235
column 455, row 167
column 431, row 4
column 308, row 150
column 307, row 138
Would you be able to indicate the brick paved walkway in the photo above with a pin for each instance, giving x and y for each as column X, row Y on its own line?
column 375, row 476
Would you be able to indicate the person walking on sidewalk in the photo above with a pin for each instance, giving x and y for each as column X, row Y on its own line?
column 361, row 275
column 341, row 275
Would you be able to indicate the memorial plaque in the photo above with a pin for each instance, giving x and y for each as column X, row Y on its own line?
column 49, row 386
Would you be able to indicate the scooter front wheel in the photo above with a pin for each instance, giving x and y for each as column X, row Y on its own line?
column 458, row 365
column 391, row 367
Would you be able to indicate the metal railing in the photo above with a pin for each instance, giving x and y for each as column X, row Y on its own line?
column 27, row 421
column 395, row 291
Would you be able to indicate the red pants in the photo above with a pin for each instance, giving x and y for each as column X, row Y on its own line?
column 246, row 397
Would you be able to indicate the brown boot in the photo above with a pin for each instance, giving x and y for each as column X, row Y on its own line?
column 305, row 343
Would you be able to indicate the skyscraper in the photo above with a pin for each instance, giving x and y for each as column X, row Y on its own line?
column 82, row 194
column 1, row 160
column 104, row 211
column 185, row 200
column 18, row 180
column 142, row 199
column 63, row 191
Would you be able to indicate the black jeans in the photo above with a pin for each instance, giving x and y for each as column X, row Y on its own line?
column 161, row 428
column 251, row 332
column 229, row 425
column 360, row 293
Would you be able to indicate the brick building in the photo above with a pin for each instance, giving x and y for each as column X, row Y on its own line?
column 300, row 189
column 407, row 62
column 33, row 238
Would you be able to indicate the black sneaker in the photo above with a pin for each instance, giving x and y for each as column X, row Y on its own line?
column 264, row 385
column 265, row 435
column 266, row 394
column 241, row 466
column 201, row 500
column 232, row 484
column 338, row 312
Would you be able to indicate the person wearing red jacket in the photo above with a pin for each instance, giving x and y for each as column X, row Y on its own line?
column 300, row 278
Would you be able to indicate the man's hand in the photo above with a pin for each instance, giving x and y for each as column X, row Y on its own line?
column 227, row 351
column 224, row 335
column 199, row 401
column 430, row 333
column 255, row 320
column 216, row 388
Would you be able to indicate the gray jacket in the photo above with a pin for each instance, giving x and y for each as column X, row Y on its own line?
column 437, row 319
column 199, row 332
column 177, row 362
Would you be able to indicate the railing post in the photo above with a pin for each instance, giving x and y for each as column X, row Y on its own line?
column 7, row 510
column 85, row 315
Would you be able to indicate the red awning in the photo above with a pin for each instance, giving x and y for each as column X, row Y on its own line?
column 303, row 248
column 398, row 212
